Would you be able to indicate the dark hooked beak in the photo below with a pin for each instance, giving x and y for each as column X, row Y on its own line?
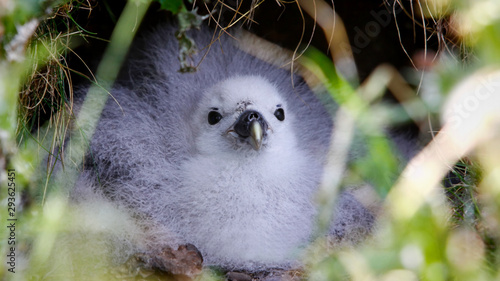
column 250, row 124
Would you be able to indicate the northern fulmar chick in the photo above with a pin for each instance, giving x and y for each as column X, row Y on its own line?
column 227, row 158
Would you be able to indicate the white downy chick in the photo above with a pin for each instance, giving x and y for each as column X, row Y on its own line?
column 227, row 158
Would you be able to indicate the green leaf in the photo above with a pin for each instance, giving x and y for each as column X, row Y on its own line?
column 174, row 6
column 379, row 166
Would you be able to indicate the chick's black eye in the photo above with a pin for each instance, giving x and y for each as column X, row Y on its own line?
column 280, row 114
column 214, row 117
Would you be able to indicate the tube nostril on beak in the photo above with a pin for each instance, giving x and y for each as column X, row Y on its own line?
column 253, row 116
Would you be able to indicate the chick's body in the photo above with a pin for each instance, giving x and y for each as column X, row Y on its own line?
column 227, row 158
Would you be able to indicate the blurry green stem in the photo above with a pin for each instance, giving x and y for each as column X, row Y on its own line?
column 334, row 169
column 378, row 166
column 97, row 95
column 10, row 74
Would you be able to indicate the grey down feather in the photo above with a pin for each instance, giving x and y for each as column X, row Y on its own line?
column 241, row 191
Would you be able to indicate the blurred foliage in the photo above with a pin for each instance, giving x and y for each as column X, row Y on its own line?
column 452, row 238
column 445, row 239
